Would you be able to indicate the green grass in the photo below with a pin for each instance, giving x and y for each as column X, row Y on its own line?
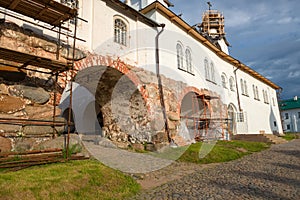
column 73, row 180
column 290, row 136
column 222, row 151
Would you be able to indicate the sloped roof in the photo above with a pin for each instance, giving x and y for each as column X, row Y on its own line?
column 289, row 104
column 196, row 35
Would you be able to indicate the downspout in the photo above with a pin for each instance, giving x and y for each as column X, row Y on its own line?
column 160, row 86
column 237, row 88
column 278, row 93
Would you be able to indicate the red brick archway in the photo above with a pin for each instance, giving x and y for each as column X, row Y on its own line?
column 118, row 64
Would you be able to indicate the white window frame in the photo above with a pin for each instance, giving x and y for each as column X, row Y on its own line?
column 206, row 68
column 232, row 84
column 179, row 50
column 224, row 80
column 212, row 72
column 120, row 31
column 188, row 58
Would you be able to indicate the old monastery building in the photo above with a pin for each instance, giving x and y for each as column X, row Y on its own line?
column 143, row 75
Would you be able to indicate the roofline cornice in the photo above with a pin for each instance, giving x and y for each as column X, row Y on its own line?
column 195, row 34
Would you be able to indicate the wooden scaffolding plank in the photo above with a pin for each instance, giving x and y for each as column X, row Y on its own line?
column 48, row 11
column 28, row 59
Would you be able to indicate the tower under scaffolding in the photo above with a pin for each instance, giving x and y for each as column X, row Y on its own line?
column 213, row 23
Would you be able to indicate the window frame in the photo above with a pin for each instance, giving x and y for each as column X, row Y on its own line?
column 179, row 50
column 257, row 93
column 286, row 115
column 212, row 72
column 189, row 63
column 242, row 86
column 232, row 83
column 120, row 31
column 224, row 80
column 206, row 68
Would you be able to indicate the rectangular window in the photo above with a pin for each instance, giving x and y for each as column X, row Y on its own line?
column 298, row 114
column 288, row 126
column 275, row 124
column 286, row 115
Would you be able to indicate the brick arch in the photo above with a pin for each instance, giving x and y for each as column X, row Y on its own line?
column 99, row 60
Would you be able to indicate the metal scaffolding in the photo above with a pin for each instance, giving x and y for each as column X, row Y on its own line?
column 203, row 122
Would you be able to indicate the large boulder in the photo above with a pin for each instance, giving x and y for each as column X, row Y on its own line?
column 35, row 94
column 9, row 104
column 5, row 144
column 41, row 111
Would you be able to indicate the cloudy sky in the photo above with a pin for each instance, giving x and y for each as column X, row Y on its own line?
column 264, row 34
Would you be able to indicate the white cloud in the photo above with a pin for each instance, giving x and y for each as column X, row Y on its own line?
column 237, row 18
column 294, row 74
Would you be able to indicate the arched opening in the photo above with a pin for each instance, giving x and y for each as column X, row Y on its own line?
column 194, row 115
column 116, row 109
column 231, row 110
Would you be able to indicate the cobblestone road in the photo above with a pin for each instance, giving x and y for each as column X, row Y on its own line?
column 271, row 174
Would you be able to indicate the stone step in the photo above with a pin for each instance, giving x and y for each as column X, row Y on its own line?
column 268, row 138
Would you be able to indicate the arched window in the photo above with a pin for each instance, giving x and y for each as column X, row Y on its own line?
column 188, row 57
column 212, row 72
column 206, row 67
column 224, row 80
column 267, row 97
column 254, row 91
column 242, row 86
column 179, row 56
column 120, row 32
column 232, row 84
column 245, row 88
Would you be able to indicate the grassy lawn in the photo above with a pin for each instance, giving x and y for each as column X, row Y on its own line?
column 291, row 136
column 73, row 180
column 222, row 151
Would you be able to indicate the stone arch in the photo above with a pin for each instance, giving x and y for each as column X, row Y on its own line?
column 93, row 60
column 116, row 103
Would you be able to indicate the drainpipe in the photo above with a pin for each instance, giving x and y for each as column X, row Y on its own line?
column 160, row 86
column 237, row 88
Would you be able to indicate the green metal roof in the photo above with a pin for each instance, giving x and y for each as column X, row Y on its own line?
column 290, row 104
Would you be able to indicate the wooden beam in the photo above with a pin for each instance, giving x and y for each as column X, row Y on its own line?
column 14, row 4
